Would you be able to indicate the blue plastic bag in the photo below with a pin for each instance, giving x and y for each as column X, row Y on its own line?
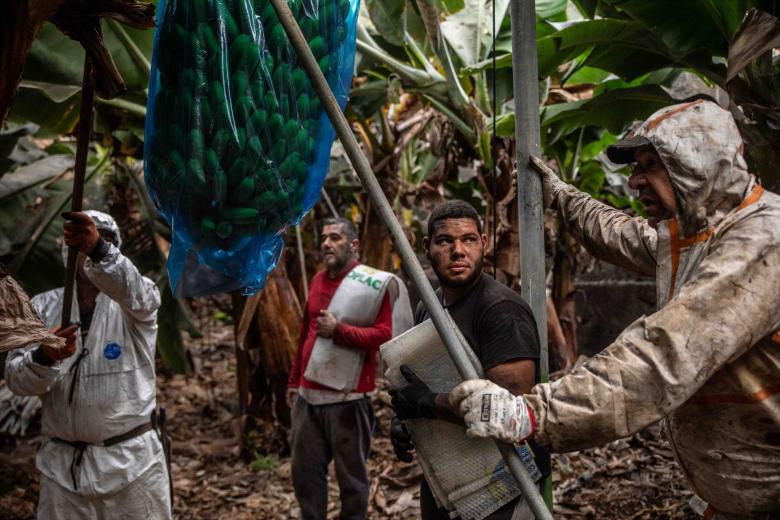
column 237, row 144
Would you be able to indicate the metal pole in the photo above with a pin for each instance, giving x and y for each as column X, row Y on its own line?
column 525, row 75
column 80, row 167
column 408, row 258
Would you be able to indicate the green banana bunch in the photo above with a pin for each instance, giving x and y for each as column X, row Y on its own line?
column 235, row 118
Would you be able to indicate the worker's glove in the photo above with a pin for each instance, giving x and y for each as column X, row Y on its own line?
column 401, row 439
column 415, row 399
column 551, row 184
column 491, row 411
column 80, row 232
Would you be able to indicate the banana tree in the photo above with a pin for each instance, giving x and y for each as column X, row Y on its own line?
column 82, row 21
column 47, row 105
column 49, row 92
column 422, row 117
column 728, row 44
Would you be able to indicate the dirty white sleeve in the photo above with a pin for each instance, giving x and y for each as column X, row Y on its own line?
column 661, row 360
column 22, row 374
column 607, row 233
column 117, row 277
column 26, row 377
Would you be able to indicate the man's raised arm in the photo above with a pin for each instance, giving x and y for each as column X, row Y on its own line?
column 607, row 233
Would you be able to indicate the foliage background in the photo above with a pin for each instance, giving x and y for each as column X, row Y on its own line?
column 432, row 86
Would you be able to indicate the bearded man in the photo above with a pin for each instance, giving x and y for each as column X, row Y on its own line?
column 496, row 323
column 101, row 456
column 707, row 363
column 350, row 311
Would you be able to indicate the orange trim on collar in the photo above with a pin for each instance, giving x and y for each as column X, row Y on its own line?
column 752, row 198
column 698, row 237
column 776, row 336
column 678, row 244
column 675, row 253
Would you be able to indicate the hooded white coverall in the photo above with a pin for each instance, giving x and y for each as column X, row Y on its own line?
column 113, row 392
column 708, row 362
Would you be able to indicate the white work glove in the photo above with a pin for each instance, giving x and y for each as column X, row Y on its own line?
column 491, row 411
column 551, row 184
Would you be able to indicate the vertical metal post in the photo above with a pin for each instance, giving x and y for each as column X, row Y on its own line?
column 408, row 258
column 525, row 80
column 79, row 169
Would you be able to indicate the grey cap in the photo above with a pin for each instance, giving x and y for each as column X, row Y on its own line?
column 622, row 152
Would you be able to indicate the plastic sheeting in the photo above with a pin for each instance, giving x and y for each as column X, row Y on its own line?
column 237, row 144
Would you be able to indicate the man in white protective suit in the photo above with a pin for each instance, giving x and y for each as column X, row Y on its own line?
column 707, row 363
column 101, row 457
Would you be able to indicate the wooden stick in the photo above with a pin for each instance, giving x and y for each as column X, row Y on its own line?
column 82, row 151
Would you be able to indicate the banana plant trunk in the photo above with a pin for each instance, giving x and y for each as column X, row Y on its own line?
column 268, row 332
column 21, row 20
column 563, row 292
column 375, row 244
column 376, row 247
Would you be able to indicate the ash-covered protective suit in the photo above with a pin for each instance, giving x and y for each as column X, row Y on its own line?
column 707, row 362
column 100, row 458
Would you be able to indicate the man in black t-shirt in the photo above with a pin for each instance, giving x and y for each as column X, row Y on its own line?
column 494, row 320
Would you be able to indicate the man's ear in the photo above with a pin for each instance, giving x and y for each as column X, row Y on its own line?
column 484, row 242
column 426, row 245
column 354, row 246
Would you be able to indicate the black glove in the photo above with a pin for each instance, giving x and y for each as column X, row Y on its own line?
column 415, row 399
column 402, row 441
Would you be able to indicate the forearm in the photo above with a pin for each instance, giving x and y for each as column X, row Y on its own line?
column 294, row 379
column 446, row 412
column 29, row 372
column 361, row 338
column 367, row 338
column 116, row 276
column 608, row 233
column 516, row 375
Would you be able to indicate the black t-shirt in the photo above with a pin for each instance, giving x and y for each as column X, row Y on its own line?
column 496, row 322
column 499, row 327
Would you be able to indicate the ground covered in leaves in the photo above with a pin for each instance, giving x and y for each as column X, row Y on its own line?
column 218, row 477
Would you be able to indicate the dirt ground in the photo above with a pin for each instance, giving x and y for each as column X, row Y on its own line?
column 628, row 479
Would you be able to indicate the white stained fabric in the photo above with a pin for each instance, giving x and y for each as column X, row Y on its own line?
column 114, row 388
column 490, row 411
column 706, row 361
column 403, row 318
column 357, row 301
column 146, row 498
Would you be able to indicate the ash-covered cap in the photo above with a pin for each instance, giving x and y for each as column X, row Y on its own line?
column 622, row 152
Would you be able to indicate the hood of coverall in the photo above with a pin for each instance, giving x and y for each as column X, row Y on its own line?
column 103, row 221
column 701, row 148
